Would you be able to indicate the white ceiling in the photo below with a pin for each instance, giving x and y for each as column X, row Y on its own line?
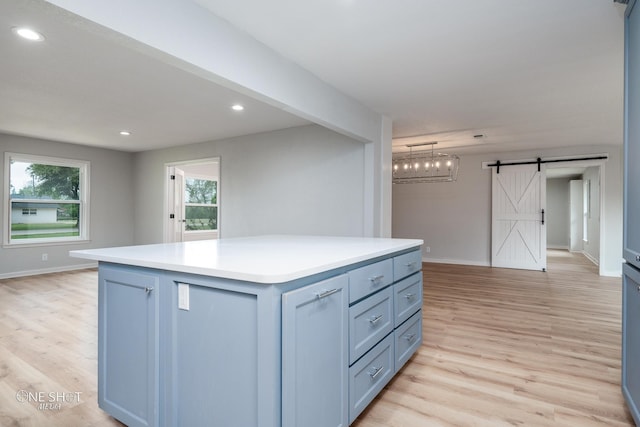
column 525, row 74
column 77, row 86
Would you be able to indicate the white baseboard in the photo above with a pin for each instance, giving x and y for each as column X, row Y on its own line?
column 456, row 261
column 47, row 270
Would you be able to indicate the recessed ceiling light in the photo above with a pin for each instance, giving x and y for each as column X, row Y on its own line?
column 125, row 133
column 28, row 33
column 237, row 107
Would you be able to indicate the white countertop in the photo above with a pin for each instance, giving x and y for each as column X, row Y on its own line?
column 262, row 259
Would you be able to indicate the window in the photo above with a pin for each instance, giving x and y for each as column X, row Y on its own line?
column 47, row 200
column 201, row 204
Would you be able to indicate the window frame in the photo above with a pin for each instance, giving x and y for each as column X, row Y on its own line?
column 202, row 178
column 84, row 167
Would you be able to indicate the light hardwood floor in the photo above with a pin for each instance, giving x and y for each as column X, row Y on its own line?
column 501, row 347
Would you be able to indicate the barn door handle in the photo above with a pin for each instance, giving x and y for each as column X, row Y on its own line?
column 542, row 216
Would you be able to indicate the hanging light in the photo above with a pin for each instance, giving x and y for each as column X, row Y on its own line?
column 424, row 166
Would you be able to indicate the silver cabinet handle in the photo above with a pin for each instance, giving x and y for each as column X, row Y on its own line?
column 148, row 289
column 375, row 319
column 410, row 296
column 637, row 257
column 410, row 264
column 638, row 288
column 374, row 372
column 376, row 278
column 326, row 293
column 410, row 337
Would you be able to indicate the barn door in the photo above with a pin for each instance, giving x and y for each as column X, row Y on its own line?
column 518, row 233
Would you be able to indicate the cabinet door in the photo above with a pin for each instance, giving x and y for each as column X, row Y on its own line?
column 315, row 355
column 128, row 345
column 632, row 137
column 631, row 340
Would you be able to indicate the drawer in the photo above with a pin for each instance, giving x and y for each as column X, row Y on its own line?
column 408, row 337
column 408, row 298
column 407, row 264
column 370, row 320
column 369, row 375
column 369, row 279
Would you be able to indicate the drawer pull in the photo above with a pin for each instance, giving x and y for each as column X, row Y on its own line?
column 410, row 296
column 376, row 278
column 638, row 258
column 375, row 319
column 374, row 372
column 410, row 264
column 326, row 293
column 410, row 337
column 638, row 288
column 148, row 289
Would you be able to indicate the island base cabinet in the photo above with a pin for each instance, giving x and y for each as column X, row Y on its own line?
column 315, row 355
column 128, row 345
column 631, row 340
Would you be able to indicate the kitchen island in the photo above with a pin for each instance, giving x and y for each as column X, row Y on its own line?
column 264, row 331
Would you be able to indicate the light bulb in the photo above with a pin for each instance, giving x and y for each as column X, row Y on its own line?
column 437, row 164
column 417, row 166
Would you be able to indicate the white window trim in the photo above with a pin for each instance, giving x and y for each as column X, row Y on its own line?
column 85, row 173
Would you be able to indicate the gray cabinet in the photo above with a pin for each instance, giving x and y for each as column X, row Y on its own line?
column 631, row 339
column 631, row 239
column 632, row 137
column 128, row 345
column 314, row 355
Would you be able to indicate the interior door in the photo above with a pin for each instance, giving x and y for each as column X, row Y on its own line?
column 517, row 226
column 176, row 206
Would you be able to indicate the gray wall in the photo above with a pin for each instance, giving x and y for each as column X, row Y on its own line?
column 111, row 204
column 304, row 180
column 454, row 219
column 557, row 213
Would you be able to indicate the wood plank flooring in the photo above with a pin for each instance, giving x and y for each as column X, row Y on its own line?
column 501, row 348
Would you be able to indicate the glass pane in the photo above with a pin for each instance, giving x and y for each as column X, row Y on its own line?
column 44, row 220
column 42, row 181
column 201, row 218
column 201, row 191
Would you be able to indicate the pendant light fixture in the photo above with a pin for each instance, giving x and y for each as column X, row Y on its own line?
column 424, row 166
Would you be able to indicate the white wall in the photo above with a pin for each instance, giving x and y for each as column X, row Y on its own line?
column 454, row 219
column 305, row 180
column 557, row 213
column 111, row 202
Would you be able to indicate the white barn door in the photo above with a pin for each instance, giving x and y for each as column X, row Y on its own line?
column 519, row 238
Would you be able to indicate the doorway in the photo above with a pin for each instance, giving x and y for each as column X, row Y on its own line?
column 192, row 200
column 574, row 209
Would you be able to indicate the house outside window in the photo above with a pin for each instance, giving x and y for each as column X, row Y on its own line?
column 47, row 200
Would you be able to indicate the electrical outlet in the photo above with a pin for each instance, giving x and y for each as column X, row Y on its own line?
column 45, row 257
column 428, row 249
